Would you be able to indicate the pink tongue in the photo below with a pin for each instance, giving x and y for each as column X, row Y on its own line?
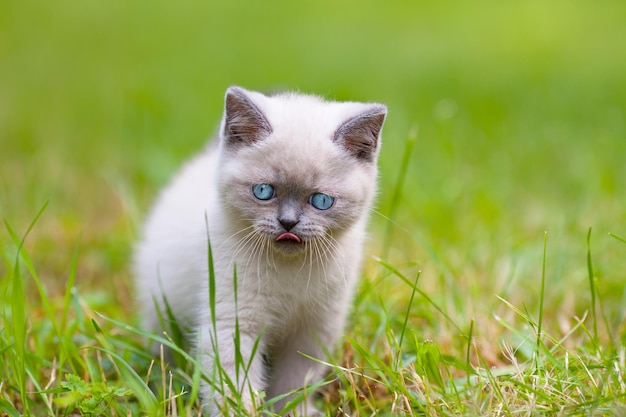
column 288, row 236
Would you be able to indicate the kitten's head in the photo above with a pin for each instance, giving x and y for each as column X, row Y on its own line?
column 296, row 171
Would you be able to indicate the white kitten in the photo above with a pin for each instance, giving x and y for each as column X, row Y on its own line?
column 285, row 198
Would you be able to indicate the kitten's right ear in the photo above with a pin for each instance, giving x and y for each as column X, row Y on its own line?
column 244, row 123
column 360, row 135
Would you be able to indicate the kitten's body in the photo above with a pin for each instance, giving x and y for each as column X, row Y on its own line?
column 296, row 264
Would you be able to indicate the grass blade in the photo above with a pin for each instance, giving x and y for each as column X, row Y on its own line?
column 592, row 289
column 468, row 363
column 395, row 271
column 541, row 300
column 397, row 190
column 18, row 306
column 621, row 239
column 408, row 312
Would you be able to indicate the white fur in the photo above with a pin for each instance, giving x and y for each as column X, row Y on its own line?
column 296, row 301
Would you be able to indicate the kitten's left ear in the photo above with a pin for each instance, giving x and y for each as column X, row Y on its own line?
column 244, row 123
column 360, row 134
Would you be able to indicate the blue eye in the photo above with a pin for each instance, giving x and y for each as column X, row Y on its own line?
column 263, row 191
column 322, row 201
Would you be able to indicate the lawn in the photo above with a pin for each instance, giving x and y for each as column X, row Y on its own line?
column 494, row 281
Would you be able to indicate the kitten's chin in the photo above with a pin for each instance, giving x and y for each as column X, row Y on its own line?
column 289, row 247
column 289, row 244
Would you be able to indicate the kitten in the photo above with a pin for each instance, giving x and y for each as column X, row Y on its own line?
column 284, row 199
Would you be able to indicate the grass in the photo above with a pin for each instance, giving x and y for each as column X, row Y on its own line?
column 494, row 281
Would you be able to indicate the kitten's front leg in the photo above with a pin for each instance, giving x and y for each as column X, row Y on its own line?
column 292, row 370
column 231, row 366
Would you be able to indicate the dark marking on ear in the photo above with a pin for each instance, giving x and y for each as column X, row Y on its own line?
column 244, row 123
column 359, row 135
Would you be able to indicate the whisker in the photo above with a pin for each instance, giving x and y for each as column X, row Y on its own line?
column 242, row 244
column 232, row 236
column 322, row 257
column 309, row 252
column 333, row 251
column 389, row 219
column 258, row 250
column 307, row 247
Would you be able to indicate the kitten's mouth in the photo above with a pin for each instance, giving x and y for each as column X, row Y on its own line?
column 289, row 237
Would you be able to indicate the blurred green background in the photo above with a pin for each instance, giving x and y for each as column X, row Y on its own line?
column 519, row 109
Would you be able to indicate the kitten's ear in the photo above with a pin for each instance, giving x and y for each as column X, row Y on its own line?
column 360, row 134
column 244, row 123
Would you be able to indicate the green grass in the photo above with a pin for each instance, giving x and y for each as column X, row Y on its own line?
column 494, row 279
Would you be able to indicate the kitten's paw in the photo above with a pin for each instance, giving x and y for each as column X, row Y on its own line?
column 233, row 405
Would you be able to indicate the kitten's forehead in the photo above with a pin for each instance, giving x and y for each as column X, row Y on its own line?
column 305, row 158
column 291, row 113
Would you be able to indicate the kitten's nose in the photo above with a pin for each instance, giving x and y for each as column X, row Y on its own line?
column 288, row 224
